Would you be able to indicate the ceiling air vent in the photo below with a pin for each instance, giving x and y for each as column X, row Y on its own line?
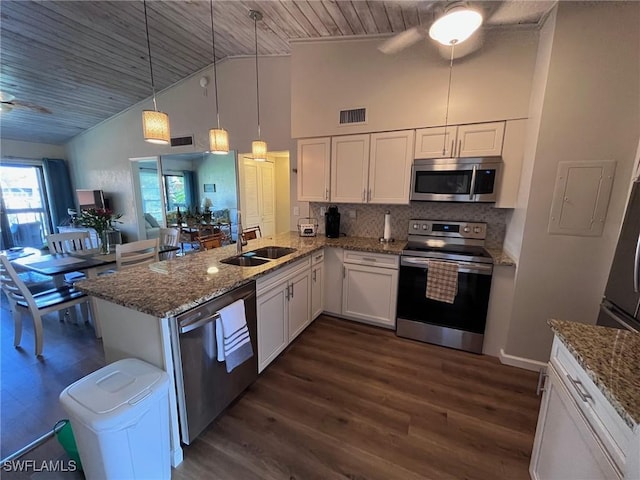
column 182, row 141
column 353, row 116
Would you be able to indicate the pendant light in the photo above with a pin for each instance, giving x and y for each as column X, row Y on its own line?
column 218, row 137
column 457, row 24
column 258, row 147
column 155, row 124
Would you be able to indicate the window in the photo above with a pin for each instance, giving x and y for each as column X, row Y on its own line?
column 25, row 216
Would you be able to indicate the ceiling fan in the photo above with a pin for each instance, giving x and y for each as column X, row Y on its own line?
column 454, row 24
column 8, row 103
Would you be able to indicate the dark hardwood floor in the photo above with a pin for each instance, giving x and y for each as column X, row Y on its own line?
column 30, row 387
column 352, row 401
column 344, row 401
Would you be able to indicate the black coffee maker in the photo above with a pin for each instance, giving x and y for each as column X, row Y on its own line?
column 332, row 222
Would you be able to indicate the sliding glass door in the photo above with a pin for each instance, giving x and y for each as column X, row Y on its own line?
column 25, row 219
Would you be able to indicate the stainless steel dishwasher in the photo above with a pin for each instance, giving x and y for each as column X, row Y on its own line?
column 203, row 385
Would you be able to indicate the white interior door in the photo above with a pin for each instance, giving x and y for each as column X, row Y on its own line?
column 259, row 196
column 250, row 195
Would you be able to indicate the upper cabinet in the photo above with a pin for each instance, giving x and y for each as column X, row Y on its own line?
column 368, row 168
column 349, row 168
column 475, row 140
column 390, row 167
column 314, row 160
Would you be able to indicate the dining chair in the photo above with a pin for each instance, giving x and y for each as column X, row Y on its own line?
column 22, row 300
column 137, row 253
column 211, row 241
column 69, row 242
column 169, row 237
column 251, row 233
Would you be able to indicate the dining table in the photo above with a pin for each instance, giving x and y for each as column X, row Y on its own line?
column 89, row 262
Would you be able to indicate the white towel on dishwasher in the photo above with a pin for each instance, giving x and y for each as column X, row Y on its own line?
column 232, row 335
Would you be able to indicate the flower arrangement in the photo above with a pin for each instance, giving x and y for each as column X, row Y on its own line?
column 101, row 220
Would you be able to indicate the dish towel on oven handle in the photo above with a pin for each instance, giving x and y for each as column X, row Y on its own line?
column 442, row 281
column 232, row 336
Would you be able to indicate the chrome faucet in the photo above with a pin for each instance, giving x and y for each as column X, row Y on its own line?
column 240, row 242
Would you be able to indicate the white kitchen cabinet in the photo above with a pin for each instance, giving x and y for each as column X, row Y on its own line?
column 370, row 288
column 333, row 280
column 314, row 162
column 474, row 140
column 283, row 309
column 349, row 168
column 579, row 433
column 390, row 167
column 317, row 284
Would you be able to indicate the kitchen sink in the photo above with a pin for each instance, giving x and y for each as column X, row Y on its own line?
column 243, row 261
column 272, row 252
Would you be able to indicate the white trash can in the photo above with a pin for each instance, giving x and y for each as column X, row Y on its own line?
column 120, row 420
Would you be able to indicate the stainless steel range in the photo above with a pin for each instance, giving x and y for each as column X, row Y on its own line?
column 459, row 324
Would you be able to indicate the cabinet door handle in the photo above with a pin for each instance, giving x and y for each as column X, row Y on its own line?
column 369, row 259
column 364, row 194
column 344, row 272
column 292, row 290
column 287, row 293
column 452, row 152
column 369, row 199
column 582, row 393
column 319, row 257
column 541, row 382
column 459, row 147
column 314, row 276
column 326, row 194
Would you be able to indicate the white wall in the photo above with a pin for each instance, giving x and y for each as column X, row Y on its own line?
column 14, row 148
column 100, row 157
column 408, row 89
column 590, row 111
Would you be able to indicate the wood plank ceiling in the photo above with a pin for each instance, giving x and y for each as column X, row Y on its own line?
column 87, row 61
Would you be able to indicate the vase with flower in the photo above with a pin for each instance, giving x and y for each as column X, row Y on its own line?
column 101, row 220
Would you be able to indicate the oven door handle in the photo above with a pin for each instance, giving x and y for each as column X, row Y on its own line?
column 463, row 267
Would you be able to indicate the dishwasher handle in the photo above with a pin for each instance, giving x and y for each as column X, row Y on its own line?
column 196, row 322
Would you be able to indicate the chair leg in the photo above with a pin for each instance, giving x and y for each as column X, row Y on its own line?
column 37, row 330
column 84, row 311
column 17, row 326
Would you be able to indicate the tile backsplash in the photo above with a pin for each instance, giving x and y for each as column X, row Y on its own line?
column 369, row 219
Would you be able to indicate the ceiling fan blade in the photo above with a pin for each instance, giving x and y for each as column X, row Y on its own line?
column 28, row 106
column 402, row 40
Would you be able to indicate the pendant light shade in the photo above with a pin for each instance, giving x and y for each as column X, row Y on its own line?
column 218, row 137
column 456, row 25
column 155, row 124
column 258, row 147
column 259, row 150
column 155, row 127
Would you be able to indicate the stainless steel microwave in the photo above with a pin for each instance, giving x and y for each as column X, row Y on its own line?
column 456, row 179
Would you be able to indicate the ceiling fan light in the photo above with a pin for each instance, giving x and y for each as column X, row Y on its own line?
column 455, row 26
column 218, row 141
column 155, row 127
column 259, row 150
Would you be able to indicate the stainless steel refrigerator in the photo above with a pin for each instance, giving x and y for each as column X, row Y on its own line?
column 620, row 307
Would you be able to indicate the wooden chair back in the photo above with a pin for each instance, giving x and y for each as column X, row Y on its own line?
column 211, row 241
column 69, row 242
column 251, row 233
column 137, row 253
column 169, row 237
column 21, row 299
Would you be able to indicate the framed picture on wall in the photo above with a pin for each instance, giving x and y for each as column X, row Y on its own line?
column 209, row 187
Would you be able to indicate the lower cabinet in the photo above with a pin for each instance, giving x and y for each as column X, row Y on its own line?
column 283, row 307
column 317, row 284
column 579, row 434
column 370, row 288
column 565, row 445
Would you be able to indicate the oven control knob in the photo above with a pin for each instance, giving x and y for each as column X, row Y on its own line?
column 466, row 229
column 477, row 229
column 415, row 226
column 425, row 227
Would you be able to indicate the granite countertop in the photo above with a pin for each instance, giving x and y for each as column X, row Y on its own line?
column 171, row 287
column 611, row 358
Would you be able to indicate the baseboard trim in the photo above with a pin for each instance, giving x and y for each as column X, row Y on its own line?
column 520, row 362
